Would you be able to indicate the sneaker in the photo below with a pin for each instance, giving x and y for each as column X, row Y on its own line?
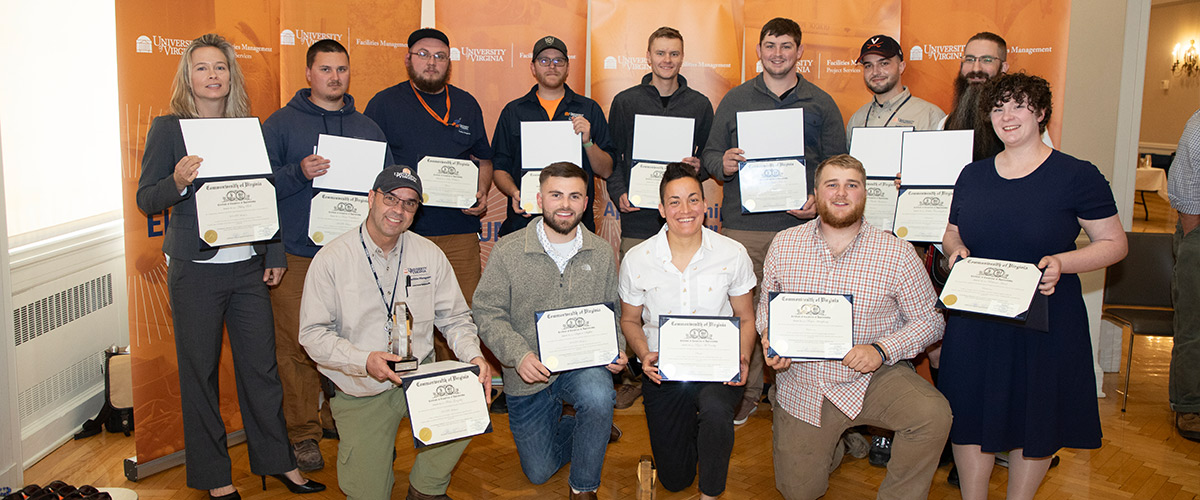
column 881, row 451
column 744, row 411
column 308, row 455
column 1188, row 425
column 626, row 395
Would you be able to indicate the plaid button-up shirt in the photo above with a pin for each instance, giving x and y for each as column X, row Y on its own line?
column 893, row 306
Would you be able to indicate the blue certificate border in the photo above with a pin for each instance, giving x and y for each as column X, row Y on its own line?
column 737, row 323
column 772, row 353
column 408, row 380
column 537, row 315
column 742, row 164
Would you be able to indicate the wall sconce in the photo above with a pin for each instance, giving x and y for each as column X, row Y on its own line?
column 1190, row 62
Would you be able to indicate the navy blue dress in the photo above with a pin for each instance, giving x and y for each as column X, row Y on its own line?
column 1009, row 386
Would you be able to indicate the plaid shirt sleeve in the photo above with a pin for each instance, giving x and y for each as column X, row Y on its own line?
column 1183, row 180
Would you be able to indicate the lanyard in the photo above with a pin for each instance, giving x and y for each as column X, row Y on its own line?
column 889, row 120
column 444, row 120
column 389, row 306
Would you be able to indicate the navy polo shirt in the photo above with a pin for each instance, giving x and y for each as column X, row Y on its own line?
column 508, row 144
column 412, row 134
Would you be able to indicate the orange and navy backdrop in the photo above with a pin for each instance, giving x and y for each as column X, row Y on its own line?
column 490, row 53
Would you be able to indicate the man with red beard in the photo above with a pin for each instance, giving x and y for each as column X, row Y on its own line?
column 893, row 321
column 427, row 117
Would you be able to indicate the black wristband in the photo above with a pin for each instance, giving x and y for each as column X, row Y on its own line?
column 880, row 350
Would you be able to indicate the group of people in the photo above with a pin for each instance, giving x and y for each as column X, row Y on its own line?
column 1009, row 388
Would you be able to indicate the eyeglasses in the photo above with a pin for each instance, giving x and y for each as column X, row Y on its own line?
column 557, row 62
column 982, row 59
column 410, row 205
column 425, row 55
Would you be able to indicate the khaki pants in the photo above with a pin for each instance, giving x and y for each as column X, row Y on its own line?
column 626, row 244
column 462, row 250
column 756, row 243
column 297, row 372
column 897, row 398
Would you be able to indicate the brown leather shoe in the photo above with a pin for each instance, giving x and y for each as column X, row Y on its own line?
column 308, row 455
column 413, row 494
column 626, row 395
column 1188, row 425
column 583, row 495
column 614, row 434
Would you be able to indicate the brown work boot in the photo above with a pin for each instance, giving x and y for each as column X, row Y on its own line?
column 413, row 494
column 1188, row 425
column 308, row 455
column 627, row 394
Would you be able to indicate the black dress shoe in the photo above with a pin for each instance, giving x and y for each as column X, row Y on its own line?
column 309, row 486
column 227, row 496
column 953, row 477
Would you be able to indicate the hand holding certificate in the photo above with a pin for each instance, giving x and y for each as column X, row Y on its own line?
column 445, row 402
column 699, row 349
column 577, row 337
column 339, row 197
column 657, row 140
column 993, row 287
column 774, row 177
column 235, row 199
column 931, row 162
column 543, row 143
column 810, row 326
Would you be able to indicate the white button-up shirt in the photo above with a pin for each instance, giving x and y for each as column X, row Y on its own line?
column 720, row 269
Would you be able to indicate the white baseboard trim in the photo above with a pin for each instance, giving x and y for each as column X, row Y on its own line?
column 45, row 434
column 1158, row 148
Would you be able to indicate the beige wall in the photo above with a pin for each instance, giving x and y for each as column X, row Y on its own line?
column 1164, row 112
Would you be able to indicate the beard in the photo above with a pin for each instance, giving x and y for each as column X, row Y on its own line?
column 427, row 85
column 968, row 116
column 884, row 87
column 825, row 212
column 563, row 227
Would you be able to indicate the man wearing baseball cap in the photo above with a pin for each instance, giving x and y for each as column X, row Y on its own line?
column 349, row 295
column 551, row 99
column 426, row 117
column 892, row 106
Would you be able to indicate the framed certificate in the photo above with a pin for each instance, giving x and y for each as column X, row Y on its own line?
column 644, row 179
column 990, row 286
column 773, row 133
column 530, row 184
column 881, row 202
column 577, row 337
column 699, row 348
column 922, row 214
column 445, row 402
column 448, row 182
column 774, row 185
column 332, row 213
column 810, row 326
column 230, row 212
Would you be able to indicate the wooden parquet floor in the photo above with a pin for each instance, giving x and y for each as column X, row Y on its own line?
column 1142, row 458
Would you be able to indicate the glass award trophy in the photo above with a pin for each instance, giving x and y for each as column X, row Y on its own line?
column 402, row 339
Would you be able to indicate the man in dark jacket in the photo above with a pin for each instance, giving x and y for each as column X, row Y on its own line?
column 291, row 136
column 551, row 99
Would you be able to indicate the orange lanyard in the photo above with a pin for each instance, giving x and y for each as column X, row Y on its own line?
column 445, row 120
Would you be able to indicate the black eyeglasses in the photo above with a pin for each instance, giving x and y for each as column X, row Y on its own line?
column 410, row 205
column 425, row 55
column 982, row 59
column 557, row 62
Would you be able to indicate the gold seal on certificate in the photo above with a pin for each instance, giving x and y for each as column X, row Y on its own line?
column 236, row 211
column 773, row 185
column 810, row 326
column 922, row 214
column 445, row 402
column 448, row 182
column 644, row 179
column 332, row 214
column 881, row 203
column 530, row 184
column 989, row 286
column 577, row 337
column 699, row 348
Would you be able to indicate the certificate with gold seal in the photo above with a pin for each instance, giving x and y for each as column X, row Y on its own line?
column 332, row 213
column 773, row 185
column 991, row 286
column 530, row 184
column 922, row 214
column 810, row 326
column 231, row 212
column 881, row 203
column 699, row 348
column 644, row 179
column 448, row 182
column 445, row 402
column 577, row 337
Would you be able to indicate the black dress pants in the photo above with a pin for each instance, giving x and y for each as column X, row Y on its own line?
column 691, row 423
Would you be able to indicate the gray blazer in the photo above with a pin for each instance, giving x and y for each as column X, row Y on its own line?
column 157, row 192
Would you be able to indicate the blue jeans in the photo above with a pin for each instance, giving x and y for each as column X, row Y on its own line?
column 546, row 439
